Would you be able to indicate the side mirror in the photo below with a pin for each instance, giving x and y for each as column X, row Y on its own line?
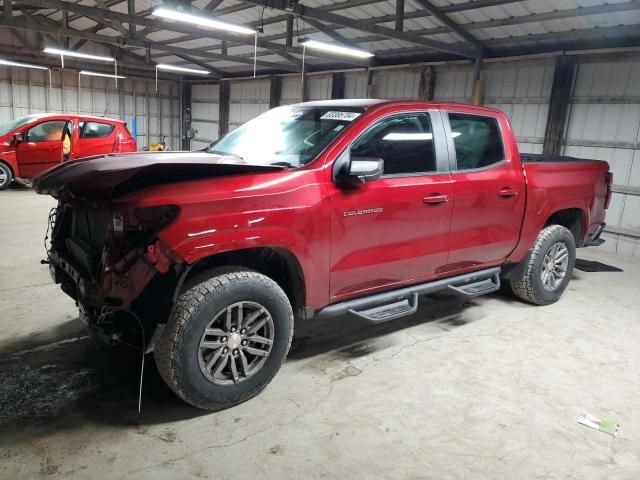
column 365, row 169
column 18, row 137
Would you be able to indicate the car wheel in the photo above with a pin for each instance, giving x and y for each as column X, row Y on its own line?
column 226, row 339
column 549, row 268
column 6, row 176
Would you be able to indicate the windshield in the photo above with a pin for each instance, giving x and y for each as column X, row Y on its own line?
column 12, row 125
column 288, row 136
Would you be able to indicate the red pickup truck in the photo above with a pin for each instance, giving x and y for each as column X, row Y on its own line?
column 312, row 210
column 31, row 144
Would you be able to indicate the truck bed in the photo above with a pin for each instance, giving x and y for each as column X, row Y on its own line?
column 542, row 158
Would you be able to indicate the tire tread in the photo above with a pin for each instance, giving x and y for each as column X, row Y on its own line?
column 195, row 293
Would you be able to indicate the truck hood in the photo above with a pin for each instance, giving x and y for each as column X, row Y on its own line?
column 109, row 176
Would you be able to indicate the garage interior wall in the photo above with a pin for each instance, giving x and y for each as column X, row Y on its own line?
column 603, row 121
column 26, row 91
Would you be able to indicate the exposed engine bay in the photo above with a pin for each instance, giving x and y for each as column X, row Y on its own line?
column 104, row 259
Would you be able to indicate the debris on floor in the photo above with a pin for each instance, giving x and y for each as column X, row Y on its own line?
column 606, row 426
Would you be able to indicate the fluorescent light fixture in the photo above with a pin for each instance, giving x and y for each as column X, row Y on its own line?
column 23, row 65
column 202, row 21
column 339, row 49
column 96, row 74
column 402, row 137
column 71, row 53
column 174, row 68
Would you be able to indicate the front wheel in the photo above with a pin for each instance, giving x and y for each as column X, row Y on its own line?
column 5, row 176
column 549, row 268
column 226, row 339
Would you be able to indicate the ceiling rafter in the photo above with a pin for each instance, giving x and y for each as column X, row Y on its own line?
column 134, row 42
column 329, row 17
column 450, row 24
column 519, row 20
column 146, row 22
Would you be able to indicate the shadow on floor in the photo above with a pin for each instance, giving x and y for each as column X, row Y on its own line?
column 594, row 266
column 78, row 381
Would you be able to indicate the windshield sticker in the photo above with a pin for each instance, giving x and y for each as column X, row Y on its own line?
column 342, row 116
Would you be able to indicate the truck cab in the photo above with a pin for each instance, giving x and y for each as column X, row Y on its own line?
column 31, row 144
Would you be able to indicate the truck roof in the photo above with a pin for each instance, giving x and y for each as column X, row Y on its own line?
column 366, row 103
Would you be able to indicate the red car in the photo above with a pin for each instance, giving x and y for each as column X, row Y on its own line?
column 312, row 210
column 33, row 143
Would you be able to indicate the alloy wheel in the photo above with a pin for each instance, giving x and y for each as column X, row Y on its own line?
column 236, row 343
column 554, row 266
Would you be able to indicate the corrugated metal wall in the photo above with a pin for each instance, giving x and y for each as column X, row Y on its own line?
column 205, row 115
column 396, row 83
column 24, row 91
column 247, row 99
column 521, row 90
column 604, row 123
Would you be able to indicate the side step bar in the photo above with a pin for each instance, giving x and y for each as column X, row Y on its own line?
column 386, row 306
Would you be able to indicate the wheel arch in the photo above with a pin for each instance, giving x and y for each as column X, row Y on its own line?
column 573, row 219
column 277, row 263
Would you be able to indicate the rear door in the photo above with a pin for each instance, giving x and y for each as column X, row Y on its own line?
column 95, row 138
column 489, row 192
column 395, row 229
column 41, row 148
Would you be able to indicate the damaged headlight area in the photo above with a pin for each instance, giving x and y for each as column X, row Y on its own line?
column 105, row 257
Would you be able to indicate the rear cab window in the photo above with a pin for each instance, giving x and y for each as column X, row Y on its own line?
column 477, row 140
column 95, row 129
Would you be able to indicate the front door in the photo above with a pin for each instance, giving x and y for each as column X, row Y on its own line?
column 41, row 148
column 395, row 229
column 489, row 193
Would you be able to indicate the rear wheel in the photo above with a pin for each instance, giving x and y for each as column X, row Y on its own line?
column 6, row 176
column 227, row 338
column 549, row 268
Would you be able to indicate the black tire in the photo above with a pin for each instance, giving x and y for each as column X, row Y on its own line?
column 178, row 352
column 6, row 176
column 530, row 287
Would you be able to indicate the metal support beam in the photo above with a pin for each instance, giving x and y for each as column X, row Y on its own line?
column 212, row 5
column 113, row 40
column 112, row 15
column 275, row 92
column 334, row 35
column 427, row 85
column 477, row 82
column 559, row 104
column 131, row 9
column 370, row 85
column 204, row 65
column 324, row 16
column 337, row 85
column 223, row 104
column 289, row 37
column 185, row 114
column 399, row 15
column 453, row 26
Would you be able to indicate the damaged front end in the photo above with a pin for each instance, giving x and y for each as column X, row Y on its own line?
column 110, row 261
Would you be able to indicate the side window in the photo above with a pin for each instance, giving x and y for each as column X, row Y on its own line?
column 404, row 142
column 95, row 130
column 477, row 139
column 46, row 131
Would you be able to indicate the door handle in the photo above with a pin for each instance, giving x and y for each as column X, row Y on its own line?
column 435, row 199
column 507, row 192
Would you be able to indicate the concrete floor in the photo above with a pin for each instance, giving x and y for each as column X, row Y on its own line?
column 485, row 389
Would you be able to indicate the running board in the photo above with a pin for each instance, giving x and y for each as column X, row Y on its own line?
column 402, row 302
column 391, row 311
column 480, row 287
